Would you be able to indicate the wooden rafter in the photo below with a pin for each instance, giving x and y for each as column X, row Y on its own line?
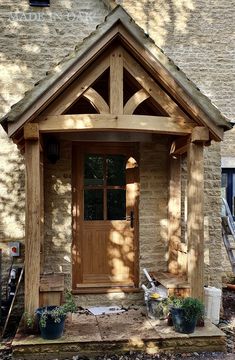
column 151, row 87
column 169, row 83
column 96, row 100
column 135, row 101
column 109, row 122
column 78, row 88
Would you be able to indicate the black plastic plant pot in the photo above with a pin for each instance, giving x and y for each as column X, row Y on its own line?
column 182, row 325
column 52, row 330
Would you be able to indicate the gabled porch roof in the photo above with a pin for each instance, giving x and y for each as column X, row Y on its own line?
column 118, row 25
column 121, row 48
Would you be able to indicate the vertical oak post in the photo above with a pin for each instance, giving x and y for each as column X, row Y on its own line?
column 174, row 214
column 195, row 219
column 33, row 220
column 116, row 81
column 42, row 210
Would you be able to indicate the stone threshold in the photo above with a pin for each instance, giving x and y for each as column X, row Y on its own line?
column 90, row 335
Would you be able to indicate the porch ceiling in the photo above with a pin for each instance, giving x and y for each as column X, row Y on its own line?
column 169, row 82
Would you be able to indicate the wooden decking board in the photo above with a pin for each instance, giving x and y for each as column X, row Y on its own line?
column 114, row 334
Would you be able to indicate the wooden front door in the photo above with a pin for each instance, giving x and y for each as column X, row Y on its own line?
column 105, row 216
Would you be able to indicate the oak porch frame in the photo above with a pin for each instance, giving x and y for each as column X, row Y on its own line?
column 195, row 194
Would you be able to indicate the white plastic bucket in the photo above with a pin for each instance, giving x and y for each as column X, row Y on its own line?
column 212, row 303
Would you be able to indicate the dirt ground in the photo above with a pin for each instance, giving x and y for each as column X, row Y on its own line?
column 227, row 324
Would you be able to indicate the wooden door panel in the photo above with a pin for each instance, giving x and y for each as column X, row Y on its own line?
column 105, row 251
column 109, row 253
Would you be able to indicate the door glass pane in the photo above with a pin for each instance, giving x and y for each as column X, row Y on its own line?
column 93, row 205
column 116, row 204
column 116, row 174
column 93, row 170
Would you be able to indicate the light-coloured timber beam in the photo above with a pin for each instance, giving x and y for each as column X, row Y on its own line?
column 135, row 101
column 96, row 100
column 31, row 131
column 200, row 134
column 170, row 84
column 151, row 87
column 32, row 226
column 179, row 146
column 41, row 210
column 195, row 219
column 116, row 81
column 143, row 123
column 174, row 214
column 76, row 89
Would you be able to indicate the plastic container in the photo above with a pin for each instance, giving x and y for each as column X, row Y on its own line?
column 212, row 303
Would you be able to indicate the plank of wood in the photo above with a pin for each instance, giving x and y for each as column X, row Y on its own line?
column 31, row 131
column 77, row 88
column 135, row 101
column 41, row 210
column 174, row 214
column 50, row 298
column 181, row 94
column 32, row 226
column 151, row 87
column 200, row 133
column 195, row 219
column 143, row 123
column 51, row 282
column 97, row 101
column 75, row 69
column 116, row 81
column 170, row 281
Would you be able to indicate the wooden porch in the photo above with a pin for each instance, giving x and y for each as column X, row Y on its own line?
column 119, row 84
column 132, row 330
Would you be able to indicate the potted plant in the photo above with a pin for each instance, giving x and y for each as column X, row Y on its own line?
column 185, row 313
column 51, row 319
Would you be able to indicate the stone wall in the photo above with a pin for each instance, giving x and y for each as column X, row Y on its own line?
column 32, row 41
column 197, row 35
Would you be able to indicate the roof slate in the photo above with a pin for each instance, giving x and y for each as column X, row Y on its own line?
column 118, row 14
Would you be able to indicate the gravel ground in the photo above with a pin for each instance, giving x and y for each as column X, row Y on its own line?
column 227, row 325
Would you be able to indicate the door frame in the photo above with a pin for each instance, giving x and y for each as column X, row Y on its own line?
column 78, row 149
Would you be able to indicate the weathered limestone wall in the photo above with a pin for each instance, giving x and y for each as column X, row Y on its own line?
column 197, row 35
column 32, row 41
column 153, row 228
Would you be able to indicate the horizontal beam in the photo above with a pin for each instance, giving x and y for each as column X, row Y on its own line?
column 200, row 134
column 107, row 122
column 31, row 131
column 179, row 146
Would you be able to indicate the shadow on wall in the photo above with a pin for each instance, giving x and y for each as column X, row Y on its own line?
column 57, row 208
column 161, row 18
column 12, row 200
column 34, row 39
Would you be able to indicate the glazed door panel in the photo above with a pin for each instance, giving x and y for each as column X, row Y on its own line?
column 105, row 203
